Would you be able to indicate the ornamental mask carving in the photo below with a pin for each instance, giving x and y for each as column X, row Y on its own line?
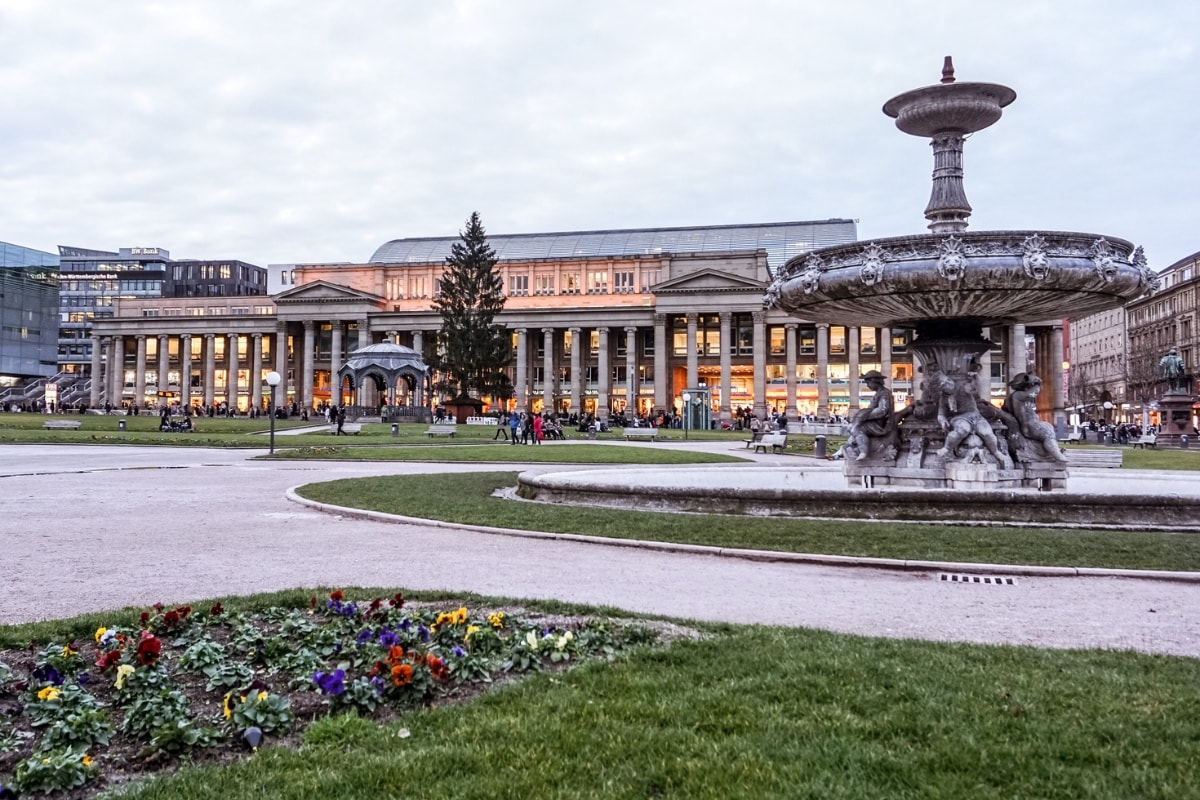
column 1034, row 258
column 1105, row 261
column 871, row 270
column 952, row 263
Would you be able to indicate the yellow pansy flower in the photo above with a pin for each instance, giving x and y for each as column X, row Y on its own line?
column 470, row 629
column 100, row 634
column 226, row 708
column 68, row 652
column 49, row 693
column 263, row 696
column 496, row 620
column 86, row 760
column 123, row 673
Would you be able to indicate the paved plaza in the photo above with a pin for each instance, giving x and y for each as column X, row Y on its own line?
column 94, row 528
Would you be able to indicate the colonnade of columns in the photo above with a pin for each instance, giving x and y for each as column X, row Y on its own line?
column 652, row 370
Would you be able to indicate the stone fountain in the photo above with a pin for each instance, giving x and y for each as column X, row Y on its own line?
column 948, row 285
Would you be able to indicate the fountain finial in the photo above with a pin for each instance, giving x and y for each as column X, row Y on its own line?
column 948, row 70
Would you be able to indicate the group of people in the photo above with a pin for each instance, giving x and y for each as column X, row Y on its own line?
column 520, row 427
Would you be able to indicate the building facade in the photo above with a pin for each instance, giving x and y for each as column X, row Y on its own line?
column 603, row 322
column 28, row 314
column 92, row 281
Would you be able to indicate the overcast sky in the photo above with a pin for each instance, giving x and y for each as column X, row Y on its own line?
column 278, row 131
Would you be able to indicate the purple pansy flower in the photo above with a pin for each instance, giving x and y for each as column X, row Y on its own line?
column 331, row 683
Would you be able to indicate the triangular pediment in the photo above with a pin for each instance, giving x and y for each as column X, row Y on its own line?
column 708, row 281
column 325, row 292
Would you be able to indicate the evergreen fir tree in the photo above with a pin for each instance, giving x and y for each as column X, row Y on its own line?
column 475, row 351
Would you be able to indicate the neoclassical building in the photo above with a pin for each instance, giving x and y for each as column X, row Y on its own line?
column 601, row 322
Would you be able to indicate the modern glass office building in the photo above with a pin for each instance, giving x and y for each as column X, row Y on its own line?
column 28, row 313
column 93, row 279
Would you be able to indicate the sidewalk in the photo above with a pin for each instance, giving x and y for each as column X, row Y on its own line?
column 94, row 528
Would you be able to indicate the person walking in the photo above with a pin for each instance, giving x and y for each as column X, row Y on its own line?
column 341, row 420
column 538, row 428
column 502, row 428
column 514, row 423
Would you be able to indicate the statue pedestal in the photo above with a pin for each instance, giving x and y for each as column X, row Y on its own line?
column 1175, row 415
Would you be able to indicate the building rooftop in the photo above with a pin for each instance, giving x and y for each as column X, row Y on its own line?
column 781, row 241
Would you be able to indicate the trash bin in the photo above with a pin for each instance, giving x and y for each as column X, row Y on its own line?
column 591, row 431
column 819, row 446
column 1183, row 441
column 395, row 429
column 121, row 425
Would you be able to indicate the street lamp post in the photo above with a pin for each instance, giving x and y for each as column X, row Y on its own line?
column 273, row 379
column 687, row 413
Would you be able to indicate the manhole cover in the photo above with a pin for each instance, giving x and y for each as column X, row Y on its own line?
column 991, row 580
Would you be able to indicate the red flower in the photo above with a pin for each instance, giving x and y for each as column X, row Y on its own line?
column 183, row 611
column 145, row 618
column 149, row 648
column 395, row 653
column 437, row 667
column 402, row 674
column 108, row 660
column 336, row 595
column 217, row 610
column 397, row 600
column 171, row 619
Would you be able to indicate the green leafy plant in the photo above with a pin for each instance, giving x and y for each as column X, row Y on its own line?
column 53, row 771
column 150, row 712
column 263, row 710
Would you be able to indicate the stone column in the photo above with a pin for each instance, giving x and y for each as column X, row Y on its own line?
column 576, row 370
column 693, row 366
column 985, row 371
column 1054, row 387
column 210, row 369
column 521, row 389
column 94, row 390
column 256, row 371
column 418, row 339
column 602, row 399
column 853, row 347
column 760, row 363
column 185, row 369
column 139, row 374
column 305, row 365
column 393, row 337
column 792, row 411
column 335, row 363
column 164, row 364
column 116, row 383
column 885, row 355
column 662, row 373
column 1016, row 351
column 822, row 371
column 231, row 372
column 548, row 370
column 631, row 374
column 366, row 392
column 725, row 410
column 281, row 363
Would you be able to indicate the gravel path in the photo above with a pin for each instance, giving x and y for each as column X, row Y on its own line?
column 94, row 528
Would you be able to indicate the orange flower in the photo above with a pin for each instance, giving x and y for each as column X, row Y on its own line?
column 395, row 653
column 402, row 674
column 336, row 595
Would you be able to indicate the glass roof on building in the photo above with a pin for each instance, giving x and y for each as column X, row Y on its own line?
column 781, row 240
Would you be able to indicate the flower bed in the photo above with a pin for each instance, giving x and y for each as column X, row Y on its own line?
column 78, row 717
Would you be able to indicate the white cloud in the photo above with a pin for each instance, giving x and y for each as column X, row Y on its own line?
column 277, row 131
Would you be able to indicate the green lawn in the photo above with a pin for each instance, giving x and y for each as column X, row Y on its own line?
column 469, row 499
column 762, row 712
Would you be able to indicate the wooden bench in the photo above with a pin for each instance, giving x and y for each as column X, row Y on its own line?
column 1073, row 436
column 61, row 424
column 755, row 439
column 1110, row 459
column 441, row 430
column 776, row 441
column 347, row 428
column 641, row 433
column 1146, row 440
